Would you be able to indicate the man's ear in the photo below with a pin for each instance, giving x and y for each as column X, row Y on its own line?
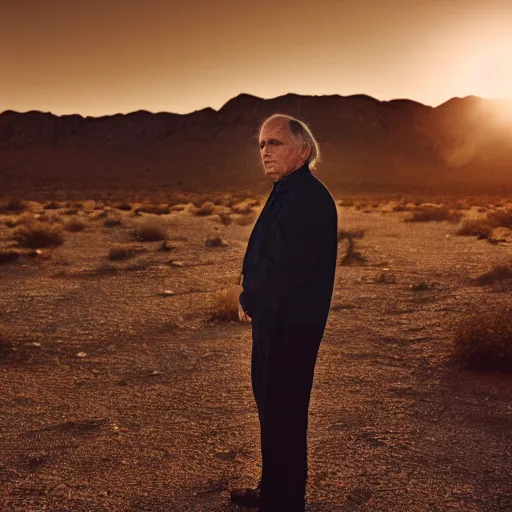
column 305, row 150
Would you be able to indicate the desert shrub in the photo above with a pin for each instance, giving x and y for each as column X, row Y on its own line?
column 206, row 208
column 245, row 207
column 500, row 218
column 225, row 304
column 400, row 207
column 215, row 240
column 149, row 230
column 361, row 204
column 484, row 339
column 228, row 200
column 46, row 217
column 123, row 206
column 110, row 222
column 52, row 205
column 38, row 234
column 498, row 273
column 225, row 218
column 246, row 220
column 462, row 204
column 178, row 207
column 12, row 205
column 99, row 214
column 155, row 209
column 120, row 252
column 421, row 286
column 475, row 227
column 346, row 234
column 430, row 212
column 74, row 225
column 386, row 277
column 24, row 218
column 351, row 256
column 8, row 255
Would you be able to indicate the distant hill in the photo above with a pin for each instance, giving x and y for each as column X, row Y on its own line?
column 462, row 146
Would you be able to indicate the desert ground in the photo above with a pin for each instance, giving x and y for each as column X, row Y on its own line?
column 125, row 381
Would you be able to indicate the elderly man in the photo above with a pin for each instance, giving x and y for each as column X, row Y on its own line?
column 288, row 278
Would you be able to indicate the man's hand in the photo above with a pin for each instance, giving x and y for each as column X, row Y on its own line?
column 242, row 315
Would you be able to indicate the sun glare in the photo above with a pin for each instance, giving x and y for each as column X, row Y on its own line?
column 490, row 67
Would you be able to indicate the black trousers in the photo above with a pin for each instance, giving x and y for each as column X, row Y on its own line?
column 282, row 368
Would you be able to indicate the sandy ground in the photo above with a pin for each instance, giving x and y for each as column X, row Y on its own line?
column 158, row 415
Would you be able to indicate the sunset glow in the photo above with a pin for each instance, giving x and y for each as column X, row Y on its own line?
column 96, row 59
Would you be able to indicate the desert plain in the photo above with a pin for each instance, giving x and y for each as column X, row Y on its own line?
column 125, row 373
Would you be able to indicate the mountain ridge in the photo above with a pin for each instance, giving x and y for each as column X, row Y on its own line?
column 462, row 145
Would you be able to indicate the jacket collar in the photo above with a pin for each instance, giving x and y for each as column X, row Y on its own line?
column 291, row 179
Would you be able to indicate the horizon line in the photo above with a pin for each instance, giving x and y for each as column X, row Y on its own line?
column 241, row 95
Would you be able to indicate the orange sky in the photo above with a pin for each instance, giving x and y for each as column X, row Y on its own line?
column 99, row 57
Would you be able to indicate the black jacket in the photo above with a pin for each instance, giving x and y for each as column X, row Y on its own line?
column 290, row 262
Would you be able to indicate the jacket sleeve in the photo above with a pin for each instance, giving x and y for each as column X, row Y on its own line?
column 299, row 241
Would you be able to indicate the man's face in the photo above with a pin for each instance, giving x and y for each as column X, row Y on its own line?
column 280, row 153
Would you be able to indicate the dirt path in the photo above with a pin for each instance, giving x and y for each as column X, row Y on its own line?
column 159, row 414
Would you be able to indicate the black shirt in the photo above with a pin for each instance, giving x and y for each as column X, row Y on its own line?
column 290, row 261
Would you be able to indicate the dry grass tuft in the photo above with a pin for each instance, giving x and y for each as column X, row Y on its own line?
column 178, row 207
column 74, row 225
column 123, row 206
column 110, row 222
column 155, row 209
column 498, row 274
column 484, row 340
column 9, row 255
column 99, row 214
column 351, row 256
column 52, row 205
column 400, row 207
column 121, row 252
column 70, row 211
column 225, row 218
column 38, row 234
column 207, row 208
column 13, row 205
column 245, row 207
column 47, row 217
column 431, row 212
column 215, row 240
column 149, row 230
column 225, row 304
column 344, row 234
column 475, row 227
column 500, row 218
column 24, row 218
column 246, row 220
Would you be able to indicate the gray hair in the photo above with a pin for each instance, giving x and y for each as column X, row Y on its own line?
column 302, row 135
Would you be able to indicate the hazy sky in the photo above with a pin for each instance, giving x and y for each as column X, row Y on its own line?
column 96, row 57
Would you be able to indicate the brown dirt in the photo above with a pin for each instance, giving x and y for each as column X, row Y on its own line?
column 159, row 413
